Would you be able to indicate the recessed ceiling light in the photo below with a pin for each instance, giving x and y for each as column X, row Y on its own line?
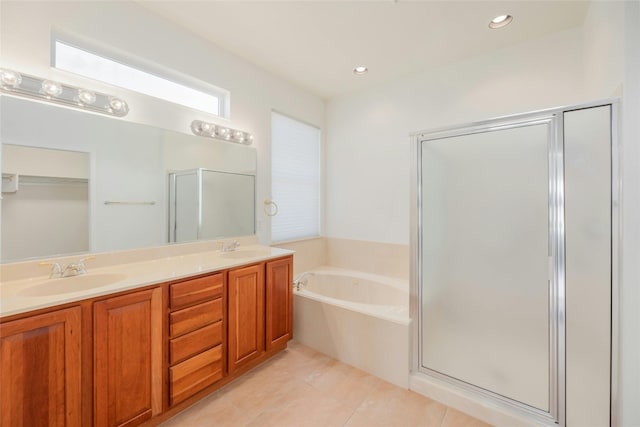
column 360, row 70
column 500, row 21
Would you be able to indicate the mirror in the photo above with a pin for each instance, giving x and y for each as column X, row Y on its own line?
column 200, row 207
column 127, row 169
column 45, row 208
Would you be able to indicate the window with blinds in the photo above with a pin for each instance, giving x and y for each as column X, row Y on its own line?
column 295, row 179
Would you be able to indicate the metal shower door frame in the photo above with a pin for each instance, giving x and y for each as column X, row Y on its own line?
column 557, row 413
column 555, row 253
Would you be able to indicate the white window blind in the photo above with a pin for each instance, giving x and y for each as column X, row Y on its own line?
column 295, row 179
column 87, row 64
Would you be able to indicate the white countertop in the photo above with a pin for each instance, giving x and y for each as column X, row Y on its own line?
column 14, row 296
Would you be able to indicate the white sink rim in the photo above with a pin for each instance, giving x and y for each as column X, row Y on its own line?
column 68, row 285
column 244, row 253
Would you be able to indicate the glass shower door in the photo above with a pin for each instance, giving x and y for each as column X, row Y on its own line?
column 486, row 246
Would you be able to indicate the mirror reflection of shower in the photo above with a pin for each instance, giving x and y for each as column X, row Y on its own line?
column 209, row 204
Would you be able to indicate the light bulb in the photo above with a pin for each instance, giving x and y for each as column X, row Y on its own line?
column 500, row 21
column 238, row 136
column 208, row 128
column 118, row 105
column 360, row 70
column 51, row 88
column 196, row 127
column 10, row 78
column 86, row 96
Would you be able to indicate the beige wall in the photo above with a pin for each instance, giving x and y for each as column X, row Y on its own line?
column 611, row 42
column 309, row 254
column 386, row 259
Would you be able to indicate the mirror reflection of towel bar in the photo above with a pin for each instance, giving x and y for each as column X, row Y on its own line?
column 115, row 202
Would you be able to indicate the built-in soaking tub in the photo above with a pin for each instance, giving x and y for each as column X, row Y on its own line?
column 358, row 318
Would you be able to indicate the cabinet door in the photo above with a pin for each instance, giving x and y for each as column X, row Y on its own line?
column 128, row 358
column 279, row 302
column 41, row 365
column 246, row 315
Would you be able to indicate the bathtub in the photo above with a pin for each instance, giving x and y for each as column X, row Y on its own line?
column 358, row 318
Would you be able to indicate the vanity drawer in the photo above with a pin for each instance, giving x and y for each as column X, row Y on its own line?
column 195, row 374
column 197, row 290
column 194, row 342
column 192, row 318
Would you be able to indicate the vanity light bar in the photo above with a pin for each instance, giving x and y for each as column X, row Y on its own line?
column 14, row 83
column 211, row 130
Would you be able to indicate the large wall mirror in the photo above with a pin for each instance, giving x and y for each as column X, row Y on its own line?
column 75, row 182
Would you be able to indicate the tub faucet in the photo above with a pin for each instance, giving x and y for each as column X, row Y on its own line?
column 302, row 279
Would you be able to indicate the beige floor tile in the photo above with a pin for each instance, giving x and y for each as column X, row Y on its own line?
column 301, row 387
column 217, row 409
column 307, row 407
column 185, row 418
column 455, row 418
column 389, row 405
column 298, row 361
column 360, row 420
column 259, row 393
column 343, row 382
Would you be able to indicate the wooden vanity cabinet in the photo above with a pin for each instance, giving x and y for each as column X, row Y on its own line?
column 140, row 356
column 197, row 335
column 279, row 303
column 246, row 315
column 260, row 310
column 40, row 360
column 127, row 354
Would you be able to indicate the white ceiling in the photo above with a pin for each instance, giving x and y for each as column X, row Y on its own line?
column 316, row 44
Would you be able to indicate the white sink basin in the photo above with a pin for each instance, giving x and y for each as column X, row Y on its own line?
column 71, row 284
column 240, row 253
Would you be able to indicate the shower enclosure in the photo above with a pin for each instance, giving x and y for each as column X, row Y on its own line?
column 514, row 252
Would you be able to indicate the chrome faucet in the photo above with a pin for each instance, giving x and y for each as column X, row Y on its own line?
column 302, row 279
column 56, row 269
column 76, row 268
column 229, row 246
column 72, row 269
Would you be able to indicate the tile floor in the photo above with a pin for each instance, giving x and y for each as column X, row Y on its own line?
column 301, row 387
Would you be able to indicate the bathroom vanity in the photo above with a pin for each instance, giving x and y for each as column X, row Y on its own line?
column 166, row 334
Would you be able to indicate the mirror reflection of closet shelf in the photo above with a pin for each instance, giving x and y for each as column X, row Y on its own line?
column 45, row 206
column 9, row 182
